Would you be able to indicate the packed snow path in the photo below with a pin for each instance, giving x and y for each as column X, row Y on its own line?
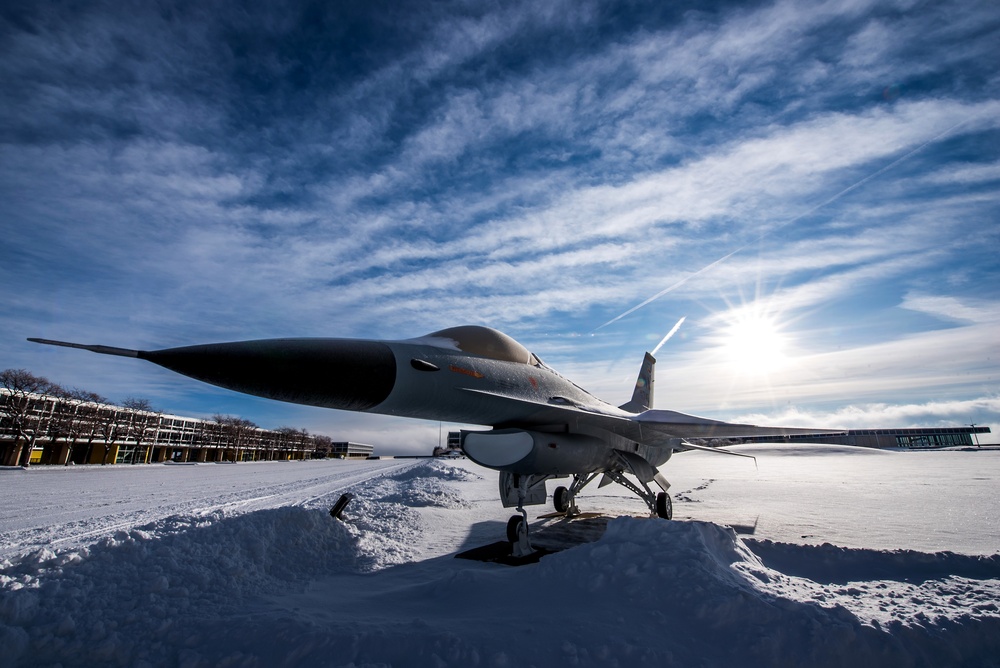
column 59, row 507
column 260, row 575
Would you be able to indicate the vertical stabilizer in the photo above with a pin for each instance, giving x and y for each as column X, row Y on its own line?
column 642, row 396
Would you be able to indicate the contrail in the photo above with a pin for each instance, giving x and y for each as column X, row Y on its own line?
column 797, row 218
column 669, row 334
column 670, row 289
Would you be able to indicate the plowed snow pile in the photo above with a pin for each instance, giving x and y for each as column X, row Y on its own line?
column 245, row 584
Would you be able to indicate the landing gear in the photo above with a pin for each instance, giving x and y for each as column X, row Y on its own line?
column 659, row 504
column 514, row 525
column 517, row 534
column 564, row 500
column 521, row 491
column 664, row 507
column 561, row 500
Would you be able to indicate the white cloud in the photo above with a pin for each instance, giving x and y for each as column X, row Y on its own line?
column 966, row 174
column 953, row 308
column 943, row 363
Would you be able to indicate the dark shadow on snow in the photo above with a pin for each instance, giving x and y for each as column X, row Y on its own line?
column 830, row 564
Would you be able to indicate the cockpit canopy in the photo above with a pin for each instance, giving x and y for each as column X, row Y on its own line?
column 482, row 341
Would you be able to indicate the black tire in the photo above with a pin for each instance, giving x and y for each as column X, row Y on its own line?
column 513, row 524
column 664, row 507
column 560, row 499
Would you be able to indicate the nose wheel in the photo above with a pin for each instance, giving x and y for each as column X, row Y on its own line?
column 514, row 525
column 517, row 535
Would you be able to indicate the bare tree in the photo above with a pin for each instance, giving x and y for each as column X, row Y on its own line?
column 66, row 423
column 143, row 419
column 90, row 419
column 323, row 444
column 18, row 409
column 138, row 404
column 290, row 438
column 239, row 430
column 142, row 423
column 81, row 395
column 111, row 424
column 210, row 434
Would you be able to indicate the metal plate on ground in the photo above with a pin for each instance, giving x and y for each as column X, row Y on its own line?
column 501, row 553
column 549, row 534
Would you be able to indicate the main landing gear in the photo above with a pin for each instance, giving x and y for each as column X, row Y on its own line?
column 521, row 490
column 560, row 499
column 664, row 507
column 564, row 499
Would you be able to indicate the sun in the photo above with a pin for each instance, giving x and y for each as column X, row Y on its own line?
column 753, row 343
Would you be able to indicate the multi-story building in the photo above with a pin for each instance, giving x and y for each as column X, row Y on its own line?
column 62, row 431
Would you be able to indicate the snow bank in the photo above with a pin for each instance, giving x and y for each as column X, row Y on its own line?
column 290, row 586
column 104, row 603
column 423, row 485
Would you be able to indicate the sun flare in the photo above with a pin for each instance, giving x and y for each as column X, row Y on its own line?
column 754, row 344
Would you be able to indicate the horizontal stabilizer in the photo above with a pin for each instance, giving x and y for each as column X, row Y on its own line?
column 103, row 350
column 691, row 426
column 718, row 451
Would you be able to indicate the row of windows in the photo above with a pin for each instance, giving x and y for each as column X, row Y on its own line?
column 932, row 440
column 65, row 419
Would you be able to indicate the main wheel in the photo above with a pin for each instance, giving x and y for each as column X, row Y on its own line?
column 560, row 499
column 664, row 507
column 513, row 527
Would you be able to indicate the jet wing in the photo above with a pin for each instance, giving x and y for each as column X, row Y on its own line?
column 671, row 424
column 657, row 428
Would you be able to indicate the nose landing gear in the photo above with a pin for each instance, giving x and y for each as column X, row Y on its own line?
column 517, row 535
column 520, row 491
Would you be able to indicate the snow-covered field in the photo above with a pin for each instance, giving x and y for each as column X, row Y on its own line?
column 821, row 555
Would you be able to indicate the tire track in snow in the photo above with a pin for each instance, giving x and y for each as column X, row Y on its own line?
column 93, row 525
column 294, row 498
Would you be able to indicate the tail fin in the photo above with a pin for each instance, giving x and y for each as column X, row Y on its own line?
column 642, row 396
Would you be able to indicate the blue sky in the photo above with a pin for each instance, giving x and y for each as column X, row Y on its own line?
column 176, row 173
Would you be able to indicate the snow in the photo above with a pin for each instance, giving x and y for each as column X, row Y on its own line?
column 823, row 556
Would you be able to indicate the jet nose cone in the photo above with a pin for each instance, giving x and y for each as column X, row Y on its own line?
column 346, row 374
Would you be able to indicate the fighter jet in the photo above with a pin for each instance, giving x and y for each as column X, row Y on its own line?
column 543, row 425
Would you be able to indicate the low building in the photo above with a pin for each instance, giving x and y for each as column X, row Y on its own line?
column 915, row 438
column 345, row 450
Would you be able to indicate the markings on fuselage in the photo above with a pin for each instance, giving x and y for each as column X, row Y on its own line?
column 467, row 372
